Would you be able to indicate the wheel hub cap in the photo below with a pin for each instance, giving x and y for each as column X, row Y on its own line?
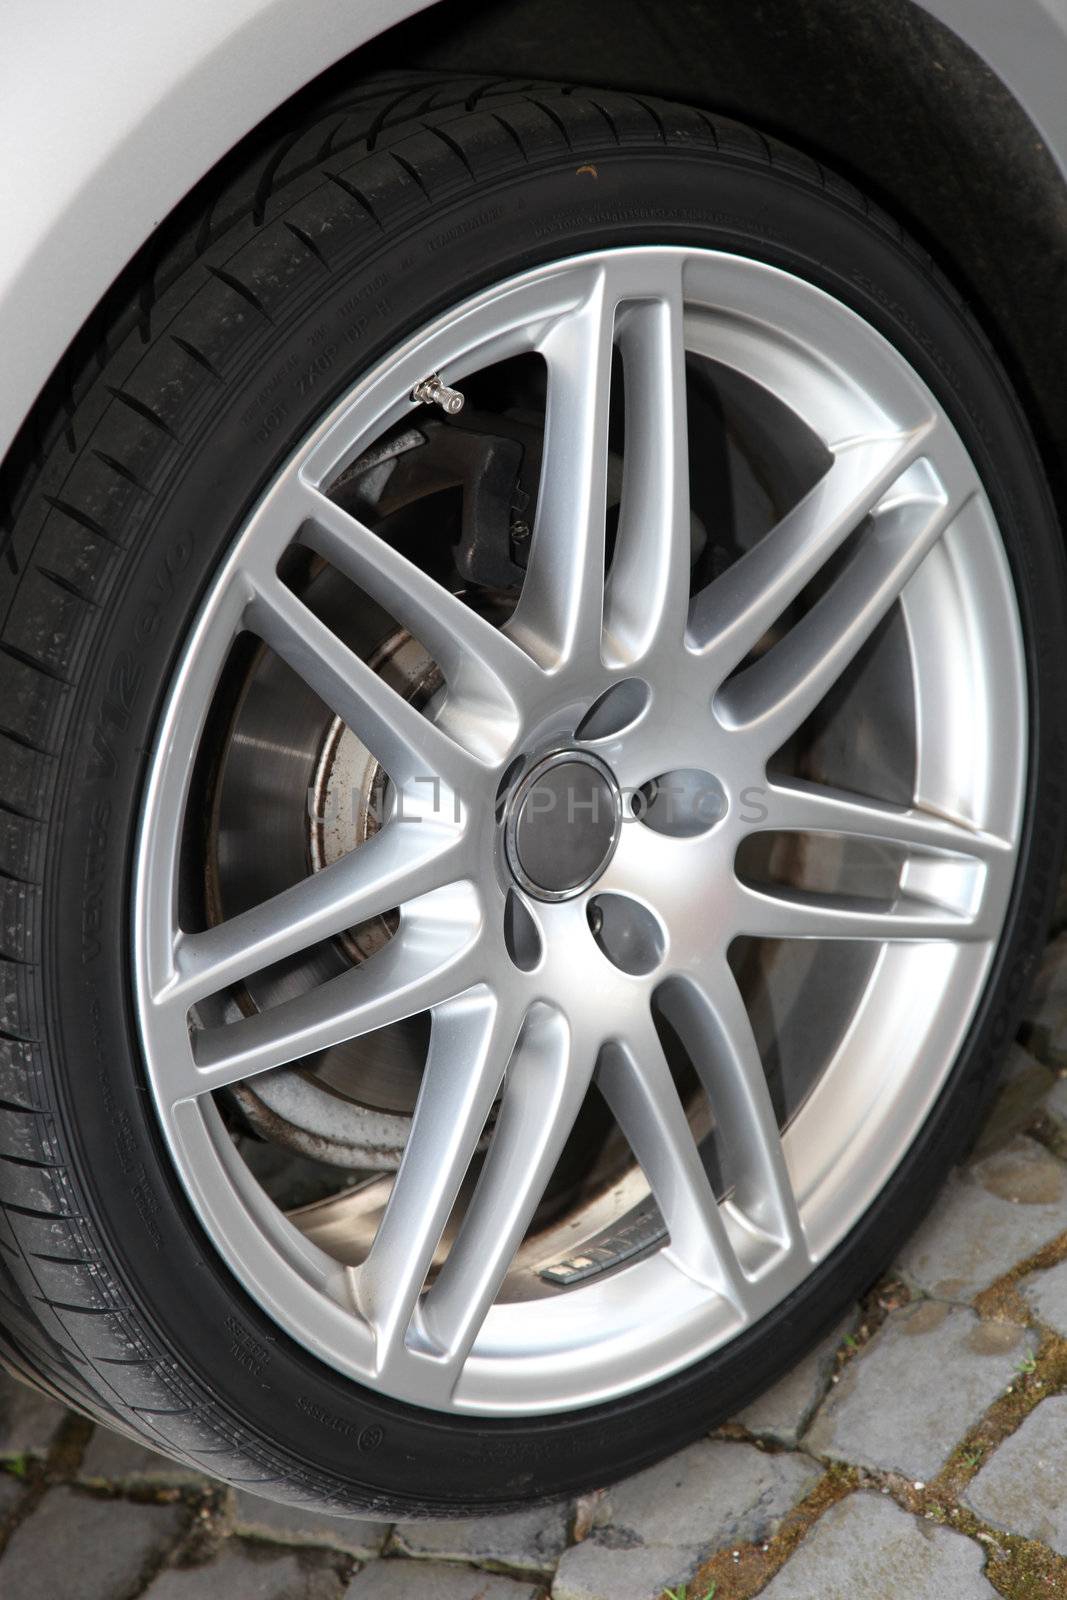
column 562, row 825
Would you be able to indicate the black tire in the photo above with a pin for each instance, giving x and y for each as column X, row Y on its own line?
column 410, row 194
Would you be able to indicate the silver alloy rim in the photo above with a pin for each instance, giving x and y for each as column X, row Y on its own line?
column 530, row 1039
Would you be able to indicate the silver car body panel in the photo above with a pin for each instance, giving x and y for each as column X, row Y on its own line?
column 110, row 114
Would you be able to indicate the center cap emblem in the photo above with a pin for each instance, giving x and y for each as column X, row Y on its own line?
column 562, row 824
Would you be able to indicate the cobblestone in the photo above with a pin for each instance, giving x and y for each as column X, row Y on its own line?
column 256, row 1518
column 242, row 1574
column 1025, row 1086
column 1020, row 1489
column 121, row 1529
column 112, row 1458
column 1046, row 1294
column 12, row 1490
column 527, row 1541
column 709, row 1494
column 866, row 1548
column 28, row 1421
column 84, row 1548
column 990, row 1215
column 1045, row 1018
column 401, row 1580
column 919, row 1386
column 655, row 1529
column 785, row 1410
column 1055, row 1101
column 595, row 1571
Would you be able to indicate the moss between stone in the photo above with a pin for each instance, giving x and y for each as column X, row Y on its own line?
column 1002, row 1300
column 1027, row 1571
column 1047, row 1376
column 888, row 1294
column 741, row 1575
column 1018, row 1568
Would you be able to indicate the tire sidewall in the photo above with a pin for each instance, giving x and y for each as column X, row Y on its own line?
column 222, row 1353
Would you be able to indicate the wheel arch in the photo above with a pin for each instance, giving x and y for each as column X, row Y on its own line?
column 949, row 114
column 879, row 88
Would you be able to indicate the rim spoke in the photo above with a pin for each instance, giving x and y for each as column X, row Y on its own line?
column 731, row 615
column 405, row 860
column 457, row 1282
column 647, row 593
column 710, row 1016
column 545, row 1089
column 426, row 962
column 471, row 1043
column 635, row 1079
column 782, row 913
column 773, row 696
column 815, row 808
column 561, row 610
column 485, row 670
column 409, row 745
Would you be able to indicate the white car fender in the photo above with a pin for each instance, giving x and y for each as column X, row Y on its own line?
column 111, row 112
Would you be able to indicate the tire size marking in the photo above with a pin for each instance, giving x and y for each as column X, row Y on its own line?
column 251, row 1355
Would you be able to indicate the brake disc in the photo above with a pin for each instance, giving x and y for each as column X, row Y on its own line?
column 294, row 775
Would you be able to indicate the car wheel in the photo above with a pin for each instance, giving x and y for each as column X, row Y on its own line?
column 530, row 787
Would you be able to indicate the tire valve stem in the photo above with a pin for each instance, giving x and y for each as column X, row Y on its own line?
column 433, row 392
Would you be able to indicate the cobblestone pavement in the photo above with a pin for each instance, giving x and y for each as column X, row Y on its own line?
column 921, row 1451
